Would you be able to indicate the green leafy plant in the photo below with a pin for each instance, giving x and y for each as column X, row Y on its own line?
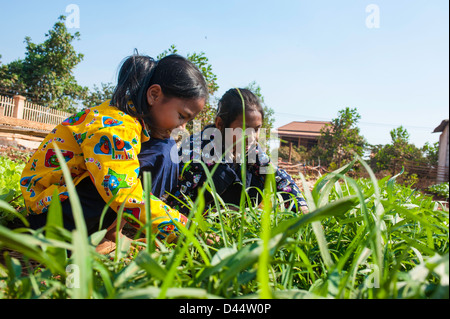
column 10, row 192
column 362, row 239
column 441, row 189
column 45, row 76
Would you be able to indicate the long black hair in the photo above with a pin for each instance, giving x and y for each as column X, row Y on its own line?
column 230, row 105
column 177, row 76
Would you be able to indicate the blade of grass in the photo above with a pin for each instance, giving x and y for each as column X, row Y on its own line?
column 81, row 254
column 249, row 254
column 318, row 231
column 148, row 233
column 243, row 165
column 5, row 206
column 390, row 185
column 146, row 262
column 122, row 243
column 28, row 246
column 379, row 223
column 324, row 185
column 106, row 277
column 209, row 182
column 183, row 244
column 105, row 209
column 55, row 220
column 263, row 262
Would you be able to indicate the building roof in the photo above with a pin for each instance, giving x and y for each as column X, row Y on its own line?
column 441, row 126
column 302, row 129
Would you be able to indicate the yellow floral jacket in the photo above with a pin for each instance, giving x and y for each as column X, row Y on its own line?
column 101, row 143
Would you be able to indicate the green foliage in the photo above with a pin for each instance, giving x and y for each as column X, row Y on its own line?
column 441, row 189
column 10, row 187
column 400, row 153
column 298, row 154
column 99, row 95
column 363, row 239
column 45, row 75
column 340, row 141
column 431, row 153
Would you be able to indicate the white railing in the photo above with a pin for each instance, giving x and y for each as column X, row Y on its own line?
column 6, row 106
column 38, row 113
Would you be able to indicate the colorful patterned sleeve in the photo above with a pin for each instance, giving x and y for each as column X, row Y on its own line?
column 285, row 183
column 111, row 159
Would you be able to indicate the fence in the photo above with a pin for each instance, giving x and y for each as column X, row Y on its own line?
column 42, row 114
column 6, row 106
column 427, row 175
column 421, row 170
column 18, row 107
column 296, row 169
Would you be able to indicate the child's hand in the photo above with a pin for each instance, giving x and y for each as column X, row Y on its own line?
column 212, row 239
column 305, row 209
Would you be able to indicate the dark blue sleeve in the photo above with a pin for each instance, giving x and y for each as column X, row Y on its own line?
column 156, row 157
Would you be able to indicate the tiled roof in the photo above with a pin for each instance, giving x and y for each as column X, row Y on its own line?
column 307, row 128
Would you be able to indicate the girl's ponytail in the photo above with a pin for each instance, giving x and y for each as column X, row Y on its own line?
column 132, row 74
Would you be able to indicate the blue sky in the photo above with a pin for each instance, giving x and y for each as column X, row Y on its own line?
column 310, row 58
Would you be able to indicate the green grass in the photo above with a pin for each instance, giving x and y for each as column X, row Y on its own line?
column 441, row 189
column 10, row 186
column 363, row 239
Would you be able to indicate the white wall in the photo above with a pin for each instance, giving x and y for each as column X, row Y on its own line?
column 443, row 161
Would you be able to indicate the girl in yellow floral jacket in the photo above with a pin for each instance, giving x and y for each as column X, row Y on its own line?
column 101, row 145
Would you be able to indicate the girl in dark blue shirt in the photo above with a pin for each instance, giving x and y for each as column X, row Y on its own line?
column 213, row 142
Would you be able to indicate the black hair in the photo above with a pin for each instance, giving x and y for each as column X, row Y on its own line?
column 177, row 76
column 230, row 105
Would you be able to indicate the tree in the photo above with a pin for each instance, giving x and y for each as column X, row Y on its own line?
column 341, row 140
column 45, row 75
column 99, row 95
column 431, row 153
column 399, row 153
column 11, row 81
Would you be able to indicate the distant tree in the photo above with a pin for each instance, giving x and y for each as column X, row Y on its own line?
column 340, row 140
column 375, row 156
column 399, row 153
column 99, row 95
column 11, row 81
column 45, row 76
column 431, row 153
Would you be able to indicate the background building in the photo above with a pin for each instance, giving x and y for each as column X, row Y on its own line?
column 443, row 166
